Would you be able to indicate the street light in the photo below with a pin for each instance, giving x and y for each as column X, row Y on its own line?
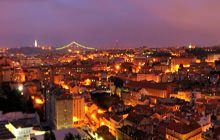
column 117, row 67
column 20, row 88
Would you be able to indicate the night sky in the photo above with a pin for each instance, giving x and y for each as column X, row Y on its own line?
column 155, row 23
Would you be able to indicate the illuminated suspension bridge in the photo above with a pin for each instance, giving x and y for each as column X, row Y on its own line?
column 75, row 44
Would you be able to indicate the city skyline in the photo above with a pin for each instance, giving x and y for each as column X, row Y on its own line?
column 109, row 70
column 101, row 23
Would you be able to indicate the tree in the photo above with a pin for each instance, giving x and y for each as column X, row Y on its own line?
column 77, row 137
column 14, row 101
column 117, row 81
column 103, row 132
column 181, row 66
column 49, row 136
column 69, row 136
column 213, row 117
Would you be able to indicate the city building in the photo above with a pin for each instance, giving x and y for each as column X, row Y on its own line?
column 61, row 111
column 78, row 110
column 188, row 130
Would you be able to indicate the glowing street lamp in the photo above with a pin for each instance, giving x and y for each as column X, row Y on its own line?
column 100, row 111
column 87, row 82
column 20, row 88
column 117, row 67
column 65, row 86
column 75, row 119
column 167, row 71
column 38, row 101
column 86, row 108
column 102, row 123
column 93, row 116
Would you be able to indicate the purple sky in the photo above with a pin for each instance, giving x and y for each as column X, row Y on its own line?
column 155, row 23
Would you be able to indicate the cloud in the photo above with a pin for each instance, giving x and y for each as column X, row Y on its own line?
column 187, row 14
column 101, row 22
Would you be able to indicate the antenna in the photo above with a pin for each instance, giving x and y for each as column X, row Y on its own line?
column 116, row 44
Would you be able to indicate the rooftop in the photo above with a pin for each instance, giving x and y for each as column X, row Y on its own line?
column 183, row 127
column 4, row 132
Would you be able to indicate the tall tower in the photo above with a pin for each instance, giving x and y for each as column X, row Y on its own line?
column 190, row 46
column 62, row 111
column 116, row 44
column 35, row 43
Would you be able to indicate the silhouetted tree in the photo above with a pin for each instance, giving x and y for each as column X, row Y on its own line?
column 77, row 137
column 181, row 66
column 103, row 132
column 49, row 136
column 117, row 81
column 213, row 117
column 69, row 136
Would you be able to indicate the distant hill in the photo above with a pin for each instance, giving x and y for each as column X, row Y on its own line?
column 29, row 50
